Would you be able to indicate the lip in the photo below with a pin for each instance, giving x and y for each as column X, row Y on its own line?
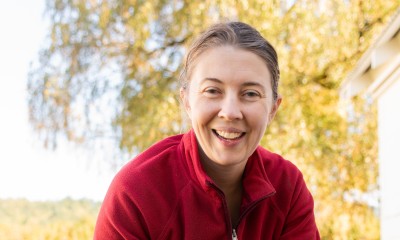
column 229, row 129
column 229, row 142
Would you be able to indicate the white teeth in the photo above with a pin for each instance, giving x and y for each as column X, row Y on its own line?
column 228, row 135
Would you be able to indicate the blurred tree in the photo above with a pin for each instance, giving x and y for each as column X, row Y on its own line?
column 64, row 220
column 110, row 69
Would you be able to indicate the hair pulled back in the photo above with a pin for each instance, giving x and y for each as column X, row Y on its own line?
column 236, row 34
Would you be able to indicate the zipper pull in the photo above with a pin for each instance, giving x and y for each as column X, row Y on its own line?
column 234, row 236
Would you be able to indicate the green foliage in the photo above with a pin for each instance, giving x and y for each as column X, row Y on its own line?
column 111, row 67
column 62, row 220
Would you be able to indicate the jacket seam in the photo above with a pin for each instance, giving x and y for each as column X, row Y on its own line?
column 173, row 212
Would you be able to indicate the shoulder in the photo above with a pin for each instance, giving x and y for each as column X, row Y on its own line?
column 148, row 187
column 139, row 199
column 292, row 198
column 278, row 167
column 152, row 165
column 157, row 151
column 286, row 178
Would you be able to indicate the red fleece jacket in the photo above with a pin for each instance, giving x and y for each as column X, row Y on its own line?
column 165, row 194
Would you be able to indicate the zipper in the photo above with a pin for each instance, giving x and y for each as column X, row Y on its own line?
column 248, row 209
column 226, row 211
column 234, row 236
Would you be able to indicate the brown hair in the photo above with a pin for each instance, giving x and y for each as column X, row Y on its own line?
column 239, row 35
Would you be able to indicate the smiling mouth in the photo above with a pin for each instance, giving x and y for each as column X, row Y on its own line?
column 228, row 135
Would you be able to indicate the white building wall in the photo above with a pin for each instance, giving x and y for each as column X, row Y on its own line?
column 389, row 158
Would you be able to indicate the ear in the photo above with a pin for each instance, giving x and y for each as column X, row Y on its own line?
column 183, row 92
column 275, row 108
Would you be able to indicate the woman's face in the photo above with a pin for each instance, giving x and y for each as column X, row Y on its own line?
column 230, row 103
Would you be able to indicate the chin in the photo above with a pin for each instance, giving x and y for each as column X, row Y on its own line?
column 229, row 161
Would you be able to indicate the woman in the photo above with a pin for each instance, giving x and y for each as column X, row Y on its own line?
column 215, row 182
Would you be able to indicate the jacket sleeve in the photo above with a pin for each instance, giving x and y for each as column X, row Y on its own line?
column 119, row 216
column 300, row 221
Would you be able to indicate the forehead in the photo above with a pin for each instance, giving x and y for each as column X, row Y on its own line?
column 230, row 63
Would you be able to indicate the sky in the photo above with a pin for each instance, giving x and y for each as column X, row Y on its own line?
column 27, row 169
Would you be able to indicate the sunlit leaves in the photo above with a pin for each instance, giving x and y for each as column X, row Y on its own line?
column 65, row 219
column 111, row 68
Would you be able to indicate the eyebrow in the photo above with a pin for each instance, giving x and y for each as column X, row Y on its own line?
column 246, row 84
column 212, row 79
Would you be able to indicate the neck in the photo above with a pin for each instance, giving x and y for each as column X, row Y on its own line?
column 227, row 178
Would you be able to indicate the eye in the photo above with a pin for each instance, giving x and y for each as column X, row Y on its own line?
column 251, row 95
column 211, row 92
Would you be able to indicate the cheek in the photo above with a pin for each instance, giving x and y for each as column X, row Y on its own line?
column 258, row 117
column 203, row 111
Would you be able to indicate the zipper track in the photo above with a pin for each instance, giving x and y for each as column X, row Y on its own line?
column 251, row 207
column 222, row 195
column 247, row 210
column 234, row 235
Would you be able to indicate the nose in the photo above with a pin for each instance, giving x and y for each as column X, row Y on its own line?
column 230, row 109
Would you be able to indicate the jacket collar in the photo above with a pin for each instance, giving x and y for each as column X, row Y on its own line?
column 256, row 184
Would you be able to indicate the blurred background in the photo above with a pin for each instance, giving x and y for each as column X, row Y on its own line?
column 87, row 85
